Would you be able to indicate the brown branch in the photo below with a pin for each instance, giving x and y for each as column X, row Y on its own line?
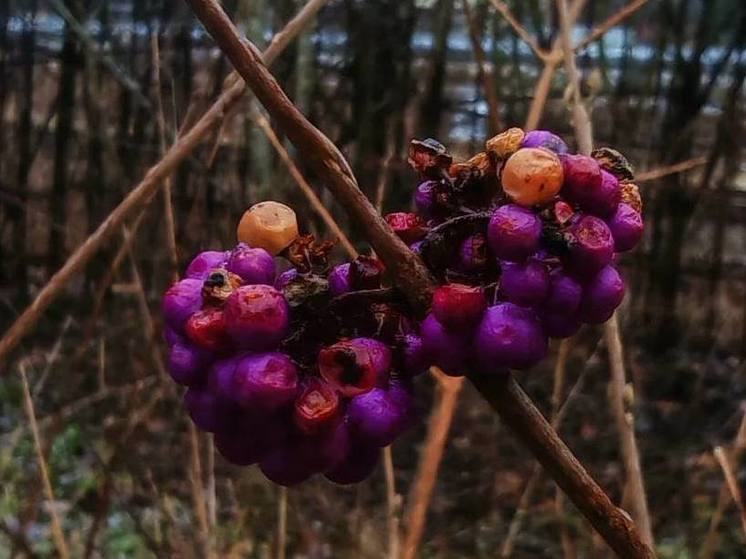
column 680, row 167
column 449, row 389
column 511, row 403
column 615, row 19
column 142, row 193
column 393, row 501
column 521, row 31
column 282, row 523
column 732, row 483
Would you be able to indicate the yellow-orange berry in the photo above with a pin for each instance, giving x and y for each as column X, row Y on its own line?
column 532, row 176
column 631, row 196
column 505, row 143
column 268, row 225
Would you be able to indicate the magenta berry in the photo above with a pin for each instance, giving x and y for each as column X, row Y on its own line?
column 180, row 301
column 252, row 265
column 377, row 416
column 355, row 366
column 513, row 233
column 626, row 227
column 524, row 284
column 265, row 380
column 594, row 190
column 509, row 337
column 339, row 280
column 544, row 139
column 448, row 349
column 601, row 296
column 458, row 306
column 408, row 226
column 257, row 317
column 204, row 263
column 592, row 246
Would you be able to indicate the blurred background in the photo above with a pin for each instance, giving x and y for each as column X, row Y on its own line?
column 93, row 91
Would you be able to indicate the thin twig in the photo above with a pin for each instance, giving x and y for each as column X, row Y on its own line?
column 521, row 31
column 732, row 483
column 57, row 533
column 615, row 19
column 430, row 459
column 392, row 505
column 680, row 167
column 282, row 522
column 143, row 192
column 198, row 491
column 302, row 183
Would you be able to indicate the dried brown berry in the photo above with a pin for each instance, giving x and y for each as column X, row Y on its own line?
column 631, row 196
column 429, row 157
column 219, row 285
column 614, row 162
column 505, row 143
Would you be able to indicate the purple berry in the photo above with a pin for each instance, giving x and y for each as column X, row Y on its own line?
column 377, row 416
column 285, row 278
column 472, row 254
column 513, row 233
column 458, row 306
column 359, row 463
column 544, row 139
column 202, row 264
column 220, row 379
column 355, row 366
column 564, row 293
column 626, row 227
column 257, row 317
column 180, row 301
column 205, row 409
column 252, row 265
column 285, row 465
column 172, row 337
column 524, row 284
column 592, row 247
column 424, row 198
column 509, row 337
column 188, row 364
column 447, row 349
column 325, row 450
column 601, row 296
column 250, row 438
column 265, row 380
column 339, row 280
column 560, row 325
column 594, row 190
column 414, row 357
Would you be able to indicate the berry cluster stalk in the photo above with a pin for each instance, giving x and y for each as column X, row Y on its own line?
column 503, row 393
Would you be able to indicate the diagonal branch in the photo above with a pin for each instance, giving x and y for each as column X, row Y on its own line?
column 615, row 19
column 503, row 393
column 521, row 31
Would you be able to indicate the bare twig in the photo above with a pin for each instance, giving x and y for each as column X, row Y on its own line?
column 449, row 389
column 302, row 183
column 503, row 393
column 615, row 19
column 732, row 484
column 198, row 491
column 680, row 167
column 392, row 505
column 521, row 31
column 57, row 534
column 142, row 193
column 282, row 522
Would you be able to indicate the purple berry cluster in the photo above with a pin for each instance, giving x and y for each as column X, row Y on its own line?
column 524, row 238
column 275, row 385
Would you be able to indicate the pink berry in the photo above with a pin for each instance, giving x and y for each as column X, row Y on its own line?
column 458, row 306
column 257, row 317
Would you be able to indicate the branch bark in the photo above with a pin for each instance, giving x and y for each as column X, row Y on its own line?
column 503, row 393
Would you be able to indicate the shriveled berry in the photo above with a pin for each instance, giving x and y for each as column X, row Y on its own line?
column 509, row 337
column 544, row 139
column 252, row 265
column 202, row 264
column 268, row 225
column 532, row 176
column 366, row 272
column 257, row 317
column 219, row 285
column 266, row 381
column 563, row 212
column 408, row 226
column 626, row 227
column 182, row 299
column 318, row 407
column 614, row 162
column 340, row 281
column 472, row 254
column 207, row 329
column 631, row 196
column 355, row 366
column 592, row 246
column 447, row 349
column 601, row 296
column 458, row 306
column 513, row 233
column 506, row 143
column 525, row 284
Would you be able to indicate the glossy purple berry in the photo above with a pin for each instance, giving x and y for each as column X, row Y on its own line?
column 472, row 254
column 377, row 417
column 188, row 364
column 202, row 264
column 592, row 246
column 257, row 317
column 601, row 296
column 448, row 349
column 525, row 284
column 357, row 466
column 513, row 233
column 544, row 139
column 220, row 379
column 458, row 306
column 265, row 380
column 285, row 278
column 509, row 337
column 355, row 366
column 339, row 280
column 626, row 227
column 564, row 293
column 180, row 301
column 414, row 357
column 252, row 265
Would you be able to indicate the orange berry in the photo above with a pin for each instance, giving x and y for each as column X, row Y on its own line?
column 268, row 225
column 505, row 143
column 532, row 176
